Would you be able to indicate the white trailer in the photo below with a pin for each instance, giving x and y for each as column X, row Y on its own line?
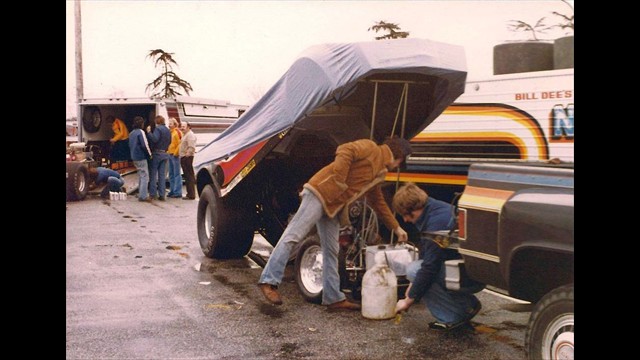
column 207, row 117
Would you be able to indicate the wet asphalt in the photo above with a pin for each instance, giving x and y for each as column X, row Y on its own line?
column 139, row 287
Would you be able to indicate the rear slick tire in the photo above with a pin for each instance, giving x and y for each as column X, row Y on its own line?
column 222, row 231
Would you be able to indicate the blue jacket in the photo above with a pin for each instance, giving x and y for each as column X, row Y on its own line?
column 437, row 215
column 139, row 146
column 160, row 138
column 104, row 174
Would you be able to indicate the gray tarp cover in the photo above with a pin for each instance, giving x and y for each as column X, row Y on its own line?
column 326, row 73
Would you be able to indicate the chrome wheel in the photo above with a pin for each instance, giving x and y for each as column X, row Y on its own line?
column 311, row 269
column 557, row 342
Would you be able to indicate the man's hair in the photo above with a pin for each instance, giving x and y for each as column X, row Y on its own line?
column 400, row 148
column 138, row 122
column 160, row 120
column 188, row 124
column 408, row 198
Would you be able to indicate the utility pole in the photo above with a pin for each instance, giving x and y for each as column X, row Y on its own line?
column 78, row 32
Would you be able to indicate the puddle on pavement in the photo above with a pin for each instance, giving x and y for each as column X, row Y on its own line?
column 271, row 310
column 288, row 348
column 239, row 289
column 212, row 265
column 517, row 307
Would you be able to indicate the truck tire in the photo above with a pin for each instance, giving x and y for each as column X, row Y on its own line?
column 221, row 230
column 91, row 119
column 550, row 330
column 308, row 268
column 77, row 181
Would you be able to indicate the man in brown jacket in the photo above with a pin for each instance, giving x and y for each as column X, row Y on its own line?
column 359, row 169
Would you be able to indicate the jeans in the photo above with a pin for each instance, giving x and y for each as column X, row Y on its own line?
column 158, row 175
column 175, row 178
column 309, row 213
column 186, row 162
column 113, row 184
column 445, row 305
column 143, row 178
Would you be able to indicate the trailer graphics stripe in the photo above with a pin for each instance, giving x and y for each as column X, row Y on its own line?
column 428, row 178
column 480, row 122
column 172, row 112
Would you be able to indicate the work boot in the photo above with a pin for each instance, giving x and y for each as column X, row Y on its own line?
column 271, row 293
column 344, row 305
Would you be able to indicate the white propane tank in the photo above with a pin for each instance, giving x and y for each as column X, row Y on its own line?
column 379, row 290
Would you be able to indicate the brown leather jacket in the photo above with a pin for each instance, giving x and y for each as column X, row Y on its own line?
column 359, row 168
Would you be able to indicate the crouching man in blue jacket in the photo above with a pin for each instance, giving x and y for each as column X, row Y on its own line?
column 112, row 178
column 451, row 309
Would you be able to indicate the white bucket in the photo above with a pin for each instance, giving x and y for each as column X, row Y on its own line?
column 379, row 291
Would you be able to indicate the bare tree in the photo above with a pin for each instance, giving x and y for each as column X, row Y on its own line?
column 168, row 83
column 393, row 29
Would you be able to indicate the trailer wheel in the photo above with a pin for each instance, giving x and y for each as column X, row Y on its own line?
column 308, row 269
column 77, row 181
column 550, row 330
column 222, row 228
column 91, row 119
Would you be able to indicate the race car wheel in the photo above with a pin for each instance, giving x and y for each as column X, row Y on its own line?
column 77, row 181
column 551, row 326
column 222, row 230
column 308, row 268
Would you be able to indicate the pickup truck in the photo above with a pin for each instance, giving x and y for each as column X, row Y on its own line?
column 516, row 235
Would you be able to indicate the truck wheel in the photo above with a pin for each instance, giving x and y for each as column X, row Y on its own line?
column 550, row 329
column 222, row 230
column 308, row 269
column 77, row 181
column 91, row 119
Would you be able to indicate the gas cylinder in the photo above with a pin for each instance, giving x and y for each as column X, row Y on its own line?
column 379, row 290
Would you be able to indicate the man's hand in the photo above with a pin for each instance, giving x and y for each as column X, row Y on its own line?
column 403, row 304
column 401, row 234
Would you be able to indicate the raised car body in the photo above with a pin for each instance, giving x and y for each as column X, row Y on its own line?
column 332, row 94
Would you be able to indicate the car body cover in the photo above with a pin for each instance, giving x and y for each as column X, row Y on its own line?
column 368, row 75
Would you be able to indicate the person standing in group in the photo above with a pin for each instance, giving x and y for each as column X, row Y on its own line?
column 140, row 152
column 175, row 178
column 101, row 175
column 359, row 169
column 451, row 309
column 160, row 138
column 187, row 150
column 120, row 140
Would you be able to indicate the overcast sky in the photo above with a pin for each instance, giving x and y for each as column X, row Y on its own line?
column 236, row 50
